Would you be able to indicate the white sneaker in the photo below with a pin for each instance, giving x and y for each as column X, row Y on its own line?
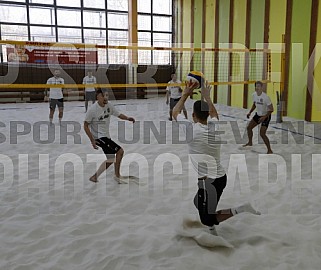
column 120, row 180
column 212, row 230
column 247, row 208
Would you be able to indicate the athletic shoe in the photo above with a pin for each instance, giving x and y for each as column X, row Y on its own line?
column 212, row 230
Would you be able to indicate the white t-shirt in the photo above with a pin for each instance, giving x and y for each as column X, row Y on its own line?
column 55, row 93
column 174, row 90
column 204, row 146
column 89, row 80
column 99, row 118
column 261, row 102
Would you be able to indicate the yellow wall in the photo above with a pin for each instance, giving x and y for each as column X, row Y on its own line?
column 187, row 21
column 316, row 103
column 257, row 37
column 224, row 18
column 277, row 29
column 186, row 57
column 210, row 23
column 300, row 34
column 300, row 39
column 198, row 24
column 178, row 30
column 209, row 39
column 239, row 27
column 198, row 29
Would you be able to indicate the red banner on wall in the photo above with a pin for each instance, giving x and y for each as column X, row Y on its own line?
column 51, row 56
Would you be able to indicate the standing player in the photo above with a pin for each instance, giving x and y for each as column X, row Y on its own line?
column 90, row 94
column 96, row 126
column 55, row 96
column 173, row 94
column 205, row 150
column 264, row 106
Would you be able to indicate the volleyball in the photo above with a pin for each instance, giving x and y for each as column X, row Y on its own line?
column 196, row 76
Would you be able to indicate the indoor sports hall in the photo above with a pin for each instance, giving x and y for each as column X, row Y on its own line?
column 127, row 56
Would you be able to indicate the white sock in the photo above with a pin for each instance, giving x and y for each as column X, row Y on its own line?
column 244, row 208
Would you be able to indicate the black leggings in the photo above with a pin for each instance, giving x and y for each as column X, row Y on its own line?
column 207, row 197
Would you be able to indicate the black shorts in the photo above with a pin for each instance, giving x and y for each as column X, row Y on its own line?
column 207, row 197
column 173, row 102
column 56, row 102
column 109, row 147
column 90, row 95
column 265, row 123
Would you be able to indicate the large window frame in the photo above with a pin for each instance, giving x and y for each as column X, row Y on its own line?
column 152, row 32
column 85, row 32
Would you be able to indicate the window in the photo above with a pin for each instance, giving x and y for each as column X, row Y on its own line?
column 13, row 14
column 144, row 6
column 162, row 24
column 37, row 31
column 94, row 40
column 117, row 20
column 144, row 56
column 69, row 3
column 102, row 56
column 162, row 7
column 47, row 15
column 155, row 29
column 90, row 21
column 94, row 19
column 162, row 40
column 69, row 35
column 144, row 22
column 162, row 57
column 42, row 38
column 14, row 32
column 117, row 5
column 118, row 37
column 68, row 17
column 94, row 4
column 144, row 39
column 69, row 39
column 17, row 0
column 48, row 2
column 94, row 33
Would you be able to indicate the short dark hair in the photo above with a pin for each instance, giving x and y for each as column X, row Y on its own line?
column 99, row 91
column 201, row 109
column 258, row 83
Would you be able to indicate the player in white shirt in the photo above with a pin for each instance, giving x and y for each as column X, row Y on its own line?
column 90, row 94
column 173, row 94
column 55, row 96
column 263, row 104
column 204, row 151
column 96, row 126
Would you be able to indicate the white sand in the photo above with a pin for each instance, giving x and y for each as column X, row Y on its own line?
column 56, row 219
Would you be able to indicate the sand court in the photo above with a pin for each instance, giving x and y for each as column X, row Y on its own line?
column 53, row 217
